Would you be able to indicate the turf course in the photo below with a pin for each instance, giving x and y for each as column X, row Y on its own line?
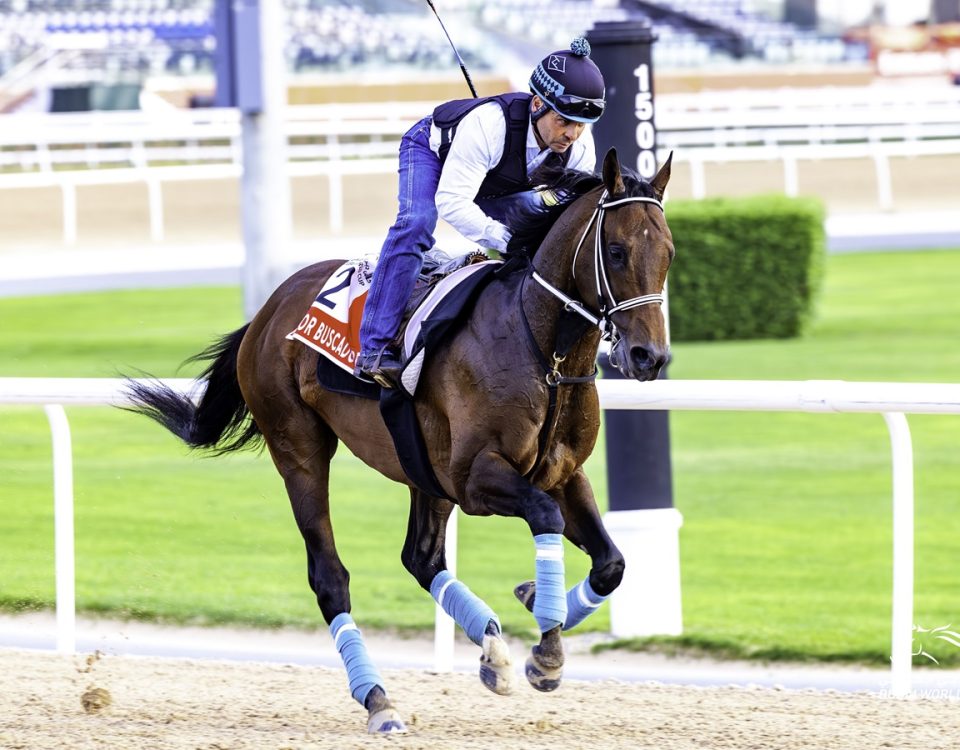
column 787, row 536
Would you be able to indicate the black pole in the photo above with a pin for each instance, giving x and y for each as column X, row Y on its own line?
column 638, row 442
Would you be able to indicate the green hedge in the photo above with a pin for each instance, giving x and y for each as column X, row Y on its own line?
column 745, row 268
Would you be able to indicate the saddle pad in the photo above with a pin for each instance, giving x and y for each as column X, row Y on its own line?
column 332, row 324
column 414, row 347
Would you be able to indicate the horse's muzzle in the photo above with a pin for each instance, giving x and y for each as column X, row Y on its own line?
column 639, row 362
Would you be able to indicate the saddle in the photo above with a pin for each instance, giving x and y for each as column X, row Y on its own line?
column 437, row 265
column 331, row 326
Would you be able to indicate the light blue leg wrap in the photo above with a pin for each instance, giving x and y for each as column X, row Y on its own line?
column 550, row 603
column 582, row 601
column 361, row 673
column 467, row 609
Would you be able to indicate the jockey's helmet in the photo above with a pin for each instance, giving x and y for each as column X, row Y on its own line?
column 570, row 83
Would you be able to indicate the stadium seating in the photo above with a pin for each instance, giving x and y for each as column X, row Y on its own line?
column 136, row 35
column 176, row 36
column 690, row 32
column 732, row 28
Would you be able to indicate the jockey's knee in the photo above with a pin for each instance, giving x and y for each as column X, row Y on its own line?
column 605, row 578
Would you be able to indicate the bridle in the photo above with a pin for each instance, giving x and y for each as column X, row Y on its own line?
column 608, row 307
column 605, row 298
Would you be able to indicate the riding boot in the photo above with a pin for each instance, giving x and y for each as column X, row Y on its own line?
column 383, row 367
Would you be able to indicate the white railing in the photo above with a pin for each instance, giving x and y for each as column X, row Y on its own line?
column 67, row 150
column 706, row 119
column 380, row 159
column 892, row 400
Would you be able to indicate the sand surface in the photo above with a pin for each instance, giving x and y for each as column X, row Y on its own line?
column 141, row 702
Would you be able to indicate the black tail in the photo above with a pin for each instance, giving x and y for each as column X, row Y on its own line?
column 221, row 421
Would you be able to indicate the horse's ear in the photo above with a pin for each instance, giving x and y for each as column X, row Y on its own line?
column 660, row 180
column 611, row 173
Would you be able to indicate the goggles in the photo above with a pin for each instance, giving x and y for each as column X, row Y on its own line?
column 578, row 108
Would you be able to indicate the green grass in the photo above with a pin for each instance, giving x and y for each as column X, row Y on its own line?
column 786, row 544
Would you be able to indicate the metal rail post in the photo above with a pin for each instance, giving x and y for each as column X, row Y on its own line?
column 63, row 528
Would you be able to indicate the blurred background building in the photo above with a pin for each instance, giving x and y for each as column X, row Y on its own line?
column 71, row 55
column 110, row 145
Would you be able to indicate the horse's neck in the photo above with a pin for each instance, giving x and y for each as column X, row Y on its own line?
column 555, row 258
column 554, row 262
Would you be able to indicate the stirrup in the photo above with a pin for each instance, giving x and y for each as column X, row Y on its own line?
column 383, row 368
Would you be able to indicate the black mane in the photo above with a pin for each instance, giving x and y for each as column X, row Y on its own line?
column 528, row 230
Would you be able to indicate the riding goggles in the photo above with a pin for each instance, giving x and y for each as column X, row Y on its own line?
column 577, row 108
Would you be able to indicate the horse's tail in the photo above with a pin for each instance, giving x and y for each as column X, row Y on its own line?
column 220, row 421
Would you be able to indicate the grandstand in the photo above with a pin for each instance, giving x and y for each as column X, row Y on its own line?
column 62, row 42
column 730, row 29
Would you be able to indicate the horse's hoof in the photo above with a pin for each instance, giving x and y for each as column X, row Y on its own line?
column 525, row 593
column 542, row 678
column 496, row 669
column 386, row 721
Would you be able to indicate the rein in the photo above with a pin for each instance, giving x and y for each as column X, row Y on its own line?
column 569, row 334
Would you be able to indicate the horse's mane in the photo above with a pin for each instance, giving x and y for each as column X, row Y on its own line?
column 529, row 229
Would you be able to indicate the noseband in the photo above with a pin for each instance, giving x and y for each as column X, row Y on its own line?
column 605, row 299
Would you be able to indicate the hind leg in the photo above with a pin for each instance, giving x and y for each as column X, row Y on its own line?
column 424, row 556
column 302, row 446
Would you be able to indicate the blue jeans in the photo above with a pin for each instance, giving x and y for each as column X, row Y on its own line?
column 401, row 256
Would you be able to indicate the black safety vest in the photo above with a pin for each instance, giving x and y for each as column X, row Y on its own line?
column 510, row 174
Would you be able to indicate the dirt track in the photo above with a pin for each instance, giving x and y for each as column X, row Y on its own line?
column 169, row 703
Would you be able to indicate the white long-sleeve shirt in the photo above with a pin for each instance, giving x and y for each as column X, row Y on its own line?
column 474, row 152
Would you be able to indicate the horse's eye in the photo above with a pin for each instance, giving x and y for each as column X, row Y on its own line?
column 617, row 254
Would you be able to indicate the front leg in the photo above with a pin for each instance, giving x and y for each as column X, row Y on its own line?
column 495, row 486
column 584, row 527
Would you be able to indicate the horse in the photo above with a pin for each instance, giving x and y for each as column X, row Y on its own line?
column 508, row 412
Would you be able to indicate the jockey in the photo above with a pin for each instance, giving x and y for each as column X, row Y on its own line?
column 460, row 163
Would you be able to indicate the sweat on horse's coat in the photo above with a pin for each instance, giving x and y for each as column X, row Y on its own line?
column 483, row 403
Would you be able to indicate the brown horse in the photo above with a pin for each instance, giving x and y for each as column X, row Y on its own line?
column 509, row 414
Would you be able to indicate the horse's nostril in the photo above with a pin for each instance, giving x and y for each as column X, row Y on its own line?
column 644, row 359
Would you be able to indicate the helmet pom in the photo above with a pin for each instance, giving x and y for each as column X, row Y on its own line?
column 580, row 47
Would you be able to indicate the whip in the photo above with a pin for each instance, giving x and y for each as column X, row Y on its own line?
column 459, row 59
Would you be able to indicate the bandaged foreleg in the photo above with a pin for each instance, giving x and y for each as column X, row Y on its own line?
column 550, row 603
